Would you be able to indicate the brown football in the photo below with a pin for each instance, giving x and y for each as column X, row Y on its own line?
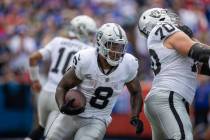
column 78, row 96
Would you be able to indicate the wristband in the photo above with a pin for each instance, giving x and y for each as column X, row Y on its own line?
column 34, row 73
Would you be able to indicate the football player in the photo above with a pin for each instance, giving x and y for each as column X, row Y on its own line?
column 60, row 51
column 174, row 56
column 100, row 74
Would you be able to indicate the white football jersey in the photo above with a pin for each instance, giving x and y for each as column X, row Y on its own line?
column 173, row 71
column 101, row 90
column 60, row 51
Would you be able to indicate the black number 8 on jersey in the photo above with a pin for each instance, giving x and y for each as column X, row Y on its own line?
column 100, row 100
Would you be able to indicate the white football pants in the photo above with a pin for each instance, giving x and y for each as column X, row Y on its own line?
column 168, row 116
column 46, row 104
column 67, row 127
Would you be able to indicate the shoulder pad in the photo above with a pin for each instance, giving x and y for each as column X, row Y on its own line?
column 82, row 60
column 131, row 66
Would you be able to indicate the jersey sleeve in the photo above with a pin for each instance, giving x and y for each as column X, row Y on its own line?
column 47, row 50
column 132, row 68
column 162, row 31
column 79, row 64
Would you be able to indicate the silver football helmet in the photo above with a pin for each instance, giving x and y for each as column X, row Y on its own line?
column 111, row 42
column 150, row 18
column 83, row 27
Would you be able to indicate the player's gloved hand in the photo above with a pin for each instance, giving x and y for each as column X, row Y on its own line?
column 67, row 109
column 138, row 124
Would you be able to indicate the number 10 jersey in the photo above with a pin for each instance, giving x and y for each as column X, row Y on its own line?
column 60, row 52
column 173, row 72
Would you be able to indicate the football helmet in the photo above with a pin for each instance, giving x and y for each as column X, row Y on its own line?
column 151, row 17
column 111, row 42
column 83, row 27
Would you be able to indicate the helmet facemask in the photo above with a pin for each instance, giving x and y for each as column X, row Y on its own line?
column 113, row 52
column 111, row 41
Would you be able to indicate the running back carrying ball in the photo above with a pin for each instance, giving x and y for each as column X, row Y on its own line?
column 75, row 102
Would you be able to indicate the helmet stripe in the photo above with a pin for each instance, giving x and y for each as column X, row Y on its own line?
column 120, row 32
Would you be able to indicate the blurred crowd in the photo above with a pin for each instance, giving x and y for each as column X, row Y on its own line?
column 27, row 25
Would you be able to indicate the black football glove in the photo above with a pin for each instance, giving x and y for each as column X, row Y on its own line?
column 66, row 108
column 138, row 124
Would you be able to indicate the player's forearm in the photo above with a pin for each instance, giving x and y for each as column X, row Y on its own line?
column 68, row 81
column 33, row 67
column 136, row 103
column 62, row 88
column 59, row 96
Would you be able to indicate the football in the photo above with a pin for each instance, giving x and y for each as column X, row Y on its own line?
column 77, row 96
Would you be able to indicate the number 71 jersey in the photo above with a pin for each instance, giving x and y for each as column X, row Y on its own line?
column 173, row 72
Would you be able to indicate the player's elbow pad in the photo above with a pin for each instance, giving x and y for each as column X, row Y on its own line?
column 186, row 30
column 199, row 53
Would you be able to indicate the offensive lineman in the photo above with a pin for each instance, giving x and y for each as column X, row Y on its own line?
column 60, row 51
column 100, row 73
column 174, row 56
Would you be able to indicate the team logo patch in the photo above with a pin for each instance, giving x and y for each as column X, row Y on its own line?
column 107, row 79
column 117, row 31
